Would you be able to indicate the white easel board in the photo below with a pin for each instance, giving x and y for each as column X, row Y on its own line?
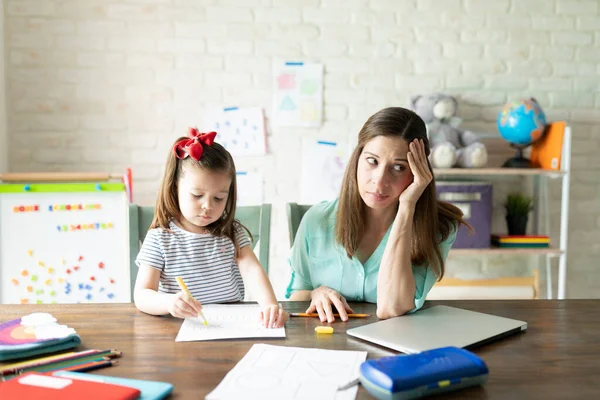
column 64, row 243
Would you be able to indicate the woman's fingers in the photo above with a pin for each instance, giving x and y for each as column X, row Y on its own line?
column 321, row 312
column 328, row 310
column 346, row 306
column 340, row 307
column 311, row 309
column 273, row 321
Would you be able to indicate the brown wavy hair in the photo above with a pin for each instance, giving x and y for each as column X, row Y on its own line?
column 214, row 158
column 434, row 220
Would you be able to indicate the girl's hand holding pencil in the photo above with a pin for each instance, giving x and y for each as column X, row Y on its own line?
column 184, row 304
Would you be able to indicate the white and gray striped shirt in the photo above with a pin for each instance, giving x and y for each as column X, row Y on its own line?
column 205, row 262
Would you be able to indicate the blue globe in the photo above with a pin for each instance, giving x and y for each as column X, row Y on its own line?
column 521, row 122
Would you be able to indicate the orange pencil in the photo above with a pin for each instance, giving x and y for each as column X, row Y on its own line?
column 335, row 315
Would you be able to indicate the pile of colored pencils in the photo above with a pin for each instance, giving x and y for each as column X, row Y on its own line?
column 81, row 361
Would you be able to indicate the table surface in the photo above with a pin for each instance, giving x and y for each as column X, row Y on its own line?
column 557, row 357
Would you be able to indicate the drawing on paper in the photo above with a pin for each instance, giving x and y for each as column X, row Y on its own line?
column 298, row 94
column 323, row 167
column 240, row 130
column 291, row 373
column 226, row 322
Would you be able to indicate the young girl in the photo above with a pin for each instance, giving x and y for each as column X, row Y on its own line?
column 194, row 235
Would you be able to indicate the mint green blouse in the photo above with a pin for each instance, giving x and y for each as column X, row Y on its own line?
column 318, row 260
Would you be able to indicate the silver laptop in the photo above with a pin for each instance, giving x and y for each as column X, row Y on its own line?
column 438, row 326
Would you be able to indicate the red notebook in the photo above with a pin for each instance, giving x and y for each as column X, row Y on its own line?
column 39, row 386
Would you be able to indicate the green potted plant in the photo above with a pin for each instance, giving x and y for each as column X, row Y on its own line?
column 517, row 208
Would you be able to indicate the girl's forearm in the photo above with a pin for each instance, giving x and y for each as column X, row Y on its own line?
column 151, row 301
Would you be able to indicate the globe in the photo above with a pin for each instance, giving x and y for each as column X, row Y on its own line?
column 521, row 123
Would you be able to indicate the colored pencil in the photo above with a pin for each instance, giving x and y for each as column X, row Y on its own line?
column 40, row 362
column 90, row 366
column 183, row 287
column 335, row 315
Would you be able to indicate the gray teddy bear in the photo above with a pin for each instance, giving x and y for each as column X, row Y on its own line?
column 450, row 146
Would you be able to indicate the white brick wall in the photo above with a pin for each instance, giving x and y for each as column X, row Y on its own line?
column 99, row 86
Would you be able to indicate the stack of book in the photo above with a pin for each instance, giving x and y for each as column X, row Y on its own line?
column 520, row 241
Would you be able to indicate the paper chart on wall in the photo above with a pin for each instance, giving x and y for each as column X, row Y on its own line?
column 240, row 130
column 323, row 166
column 250, row 188
column 277, row 372
column 298, row 99
column 227, row 322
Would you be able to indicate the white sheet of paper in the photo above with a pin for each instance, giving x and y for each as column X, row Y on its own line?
column 234, row 321
column 322, row 170
column 240, row 130
column 279, row 372
column 298, row 94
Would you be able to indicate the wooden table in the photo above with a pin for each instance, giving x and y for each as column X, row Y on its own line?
column 557, row 358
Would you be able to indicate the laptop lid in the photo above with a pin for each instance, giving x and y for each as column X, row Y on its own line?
column 435, row 327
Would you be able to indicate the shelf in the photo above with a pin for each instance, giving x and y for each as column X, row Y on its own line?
column 507, row 251
column 496, row 171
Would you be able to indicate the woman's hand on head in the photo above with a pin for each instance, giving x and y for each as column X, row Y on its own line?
column 422, row 176
column 321, row 300
column 273, row 316
column 183, row 306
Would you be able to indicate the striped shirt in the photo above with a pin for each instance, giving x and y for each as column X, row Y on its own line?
column 205, row 262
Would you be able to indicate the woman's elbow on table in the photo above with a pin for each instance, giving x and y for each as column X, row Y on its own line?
column 385, row 312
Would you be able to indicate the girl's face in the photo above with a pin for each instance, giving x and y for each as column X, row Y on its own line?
column 383, row 172
column 202, row 197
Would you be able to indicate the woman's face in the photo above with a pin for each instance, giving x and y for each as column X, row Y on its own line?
column 383, row 172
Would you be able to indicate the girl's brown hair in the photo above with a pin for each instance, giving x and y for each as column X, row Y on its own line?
column 434, row 220
column 214, row 158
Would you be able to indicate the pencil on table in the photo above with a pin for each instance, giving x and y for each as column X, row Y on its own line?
column 36, row 364
column 90, row 366
column 335, row 315
column 183, row 287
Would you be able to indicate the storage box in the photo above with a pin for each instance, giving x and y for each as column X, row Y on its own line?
column 475, row 201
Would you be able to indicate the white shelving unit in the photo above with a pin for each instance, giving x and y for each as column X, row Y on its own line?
column 541, row 212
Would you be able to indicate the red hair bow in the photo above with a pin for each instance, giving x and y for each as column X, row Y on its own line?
column 193, row 146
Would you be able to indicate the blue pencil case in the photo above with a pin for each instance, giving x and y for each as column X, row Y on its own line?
column 427, row 373
column 150, row 390
column 35, row 334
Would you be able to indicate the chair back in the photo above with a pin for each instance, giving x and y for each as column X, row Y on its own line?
column 295, row 212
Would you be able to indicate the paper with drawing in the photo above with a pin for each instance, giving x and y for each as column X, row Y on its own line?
column 233, row 321
column 278, row 372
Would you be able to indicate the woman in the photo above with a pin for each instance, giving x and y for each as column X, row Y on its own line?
column 386, row 238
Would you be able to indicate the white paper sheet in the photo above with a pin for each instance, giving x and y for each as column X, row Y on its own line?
column 298, row 94
column 322, row 170
column 278, row 372
column 234, row 321
column 250, row 188
column 240, row 130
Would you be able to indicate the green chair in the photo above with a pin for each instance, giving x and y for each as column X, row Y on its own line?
column 256, row 218
column 295, row 212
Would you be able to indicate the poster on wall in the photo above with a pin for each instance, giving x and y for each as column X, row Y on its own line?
column 323, row 166
column 298, row 94
column 64, row 247
column 250, row 188
column 240, row 130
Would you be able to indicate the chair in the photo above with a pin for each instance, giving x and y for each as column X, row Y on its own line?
column 256, row 218
column 295, row 212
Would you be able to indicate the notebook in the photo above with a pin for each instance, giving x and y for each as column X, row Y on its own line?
column 35, row 334
column 435, row 327
column 48, row 387
column 151, row 390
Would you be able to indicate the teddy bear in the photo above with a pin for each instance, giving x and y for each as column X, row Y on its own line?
column 450, row 146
